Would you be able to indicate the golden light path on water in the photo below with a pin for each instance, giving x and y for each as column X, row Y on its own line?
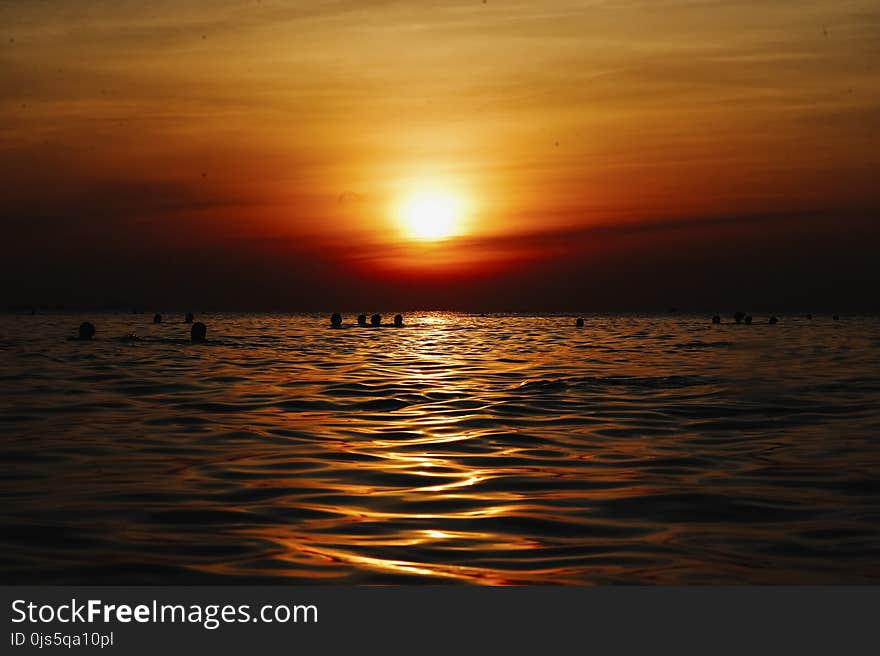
column 444, row 479
column 491, row 450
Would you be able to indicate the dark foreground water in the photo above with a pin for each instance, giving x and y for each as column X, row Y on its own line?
column 482, row 450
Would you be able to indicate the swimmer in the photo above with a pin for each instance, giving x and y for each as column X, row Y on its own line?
column 198, row 332
column 86, row 332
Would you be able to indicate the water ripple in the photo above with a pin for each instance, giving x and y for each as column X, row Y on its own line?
column 490, row 450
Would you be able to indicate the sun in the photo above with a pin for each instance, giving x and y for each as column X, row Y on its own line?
column 430, row 214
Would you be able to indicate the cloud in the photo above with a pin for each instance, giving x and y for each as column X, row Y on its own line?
column 740, row 118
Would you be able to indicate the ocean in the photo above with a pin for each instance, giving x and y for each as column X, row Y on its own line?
column 500, row 449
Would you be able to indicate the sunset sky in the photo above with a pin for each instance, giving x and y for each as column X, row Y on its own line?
column 604, row 154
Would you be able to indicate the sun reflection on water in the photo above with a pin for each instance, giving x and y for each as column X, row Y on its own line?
column 484, row 450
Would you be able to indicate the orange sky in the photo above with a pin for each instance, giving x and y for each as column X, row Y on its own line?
column 285, row 131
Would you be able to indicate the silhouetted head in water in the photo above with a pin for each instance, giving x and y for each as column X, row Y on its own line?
column 836, row 317
column 773, row 320
column 810, row 317
column 336, row 320
column 376, row 320
column 362, row 319
column 157, row 318
column 739, row 316
column 580, row 322
column 86, row 330
column 198, row 332
column 189, row 318
column 749, row 319
column 398, row 320
column 716, row 319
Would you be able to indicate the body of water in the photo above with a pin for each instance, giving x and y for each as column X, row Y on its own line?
column 488, row 450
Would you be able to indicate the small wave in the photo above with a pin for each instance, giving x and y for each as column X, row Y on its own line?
column 648, row 382
column 634, row 450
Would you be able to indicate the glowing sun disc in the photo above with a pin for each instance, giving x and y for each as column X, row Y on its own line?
column 430, row 214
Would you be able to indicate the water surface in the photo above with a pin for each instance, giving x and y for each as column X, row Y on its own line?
column 493, row 450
